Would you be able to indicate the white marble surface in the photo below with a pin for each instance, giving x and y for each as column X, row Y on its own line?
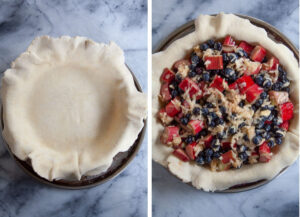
column 173, row 198
column 124, row 22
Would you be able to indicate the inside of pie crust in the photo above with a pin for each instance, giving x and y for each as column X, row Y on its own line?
column 67, row 109
column 69, row 106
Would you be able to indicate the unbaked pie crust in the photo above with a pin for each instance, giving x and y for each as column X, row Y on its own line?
column 70, row 105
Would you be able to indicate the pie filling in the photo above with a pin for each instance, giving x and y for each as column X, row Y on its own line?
column 225, row 105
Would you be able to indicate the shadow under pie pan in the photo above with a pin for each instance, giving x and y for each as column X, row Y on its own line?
column 275, row 35
column 120, row 162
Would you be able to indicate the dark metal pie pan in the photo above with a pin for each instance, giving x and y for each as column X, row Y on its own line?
column 275, row 35
column 120, row 162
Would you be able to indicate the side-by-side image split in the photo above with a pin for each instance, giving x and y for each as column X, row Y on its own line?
column 149, row 108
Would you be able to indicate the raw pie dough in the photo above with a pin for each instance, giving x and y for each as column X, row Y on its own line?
column 70, row 105
column 214, row 27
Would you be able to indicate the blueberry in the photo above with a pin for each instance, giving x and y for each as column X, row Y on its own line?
column 275, row 121
column 242, row 148
column 280, row 69
column 225, row 58
column 222, row 109
column 267, row 84
column 267, row 135
column 260, row 124
column 208, row 159
column 209, row 105
column 196, row 111
column 216, row 154
column 174, row 93
column 264, row 60
column 178, row 78
column 210, row 43
column 192, row 74
column 213, row 115
column 245, row 137
column 218, row 46
column 208, row 152
column 259, row 102
column 267, row 127
column 233, row 57
column 200, row 159
column 253, row 107
column 188, row 116
column 278, row 140
column 259, row 80
column 198, row 70
column 184, row 120
column 220, row 135
column 257, row 139
column 231, row 131
column 243, row 156
column 204, row 111
column 228, row 72
column 274, row 112
column 270, row 117
column 282, row 73
column 271, row 143
column 232, row 78
column 189, row 139
column 203, row 132
column 195, row 59
column 241, row 125
column 205, row 76
column 212, row 124
column 276, row 86
column 278, row 134
column 242, row 103
column 220, row 121
column 263, row 95
column 259, row 131
column 203, row 47
column 241, row 53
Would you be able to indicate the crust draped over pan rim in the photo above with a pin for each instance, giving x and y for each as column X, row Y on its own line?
column 69, row 106
column 216, row 27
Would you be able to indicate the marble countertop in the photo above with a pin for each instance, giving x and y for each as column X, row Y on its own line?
column 173, row 198
column 126, row 24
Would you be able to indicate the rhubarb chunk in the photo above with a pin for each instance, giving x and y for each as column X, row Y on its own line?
column 258, row 53
column 195, row 126
column 218, row 83
column 253, row 93
column 165, row 92
column 286, row 111
column 181, row 154
column 186, row 84
column 244, row 83
column 213, row 62
column 167, row 75
column 170, row 134
column 173, row 107
column 246, row 47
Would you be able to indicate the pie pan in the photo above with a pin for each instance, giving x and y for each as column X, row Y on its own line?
column 274, row 34
column 120, row 161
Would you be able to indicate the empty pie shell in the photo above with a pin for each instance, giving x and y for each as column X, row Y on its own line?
column 69, row 106
column 217, row 27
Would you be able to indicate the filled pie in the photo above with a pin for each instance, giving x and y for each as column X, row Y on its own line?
column 69, row 106
column 226, row 112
